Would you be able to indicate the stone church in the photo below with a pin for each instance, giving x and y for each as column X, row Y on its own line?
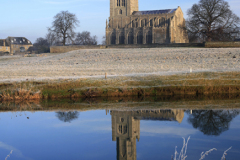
column 126, row 128
column 127, row 25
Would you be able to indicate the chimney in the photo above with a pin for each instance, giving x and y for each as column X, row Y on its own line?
column 4, row 43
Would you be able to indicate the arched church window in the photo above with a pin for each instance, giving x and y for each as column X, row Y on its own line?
column 120, row 11
column 113, row 38
column 142, row 22
column 140, row 38
column 121, row 38
column 149, row 37
column 151, row 22
column 130, row 38
column 133, row 24
column 163, row 21
column 136, row 24
column 155, row 22
column 118, row 3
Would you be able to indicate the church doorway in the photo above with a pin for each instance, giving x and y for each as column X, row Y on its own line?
column 139, row 38
column 149, row 38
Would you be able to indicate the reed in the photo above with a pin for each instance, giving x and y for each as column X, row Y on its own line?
column 183, row 154
column 122, row 86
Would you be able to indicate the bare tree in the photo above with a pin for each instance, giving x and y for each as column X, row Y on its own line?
column 212, row 20
column 67, row 116
column 85, row 38
column 212, row 122
column 51, row 38
column 63, row 26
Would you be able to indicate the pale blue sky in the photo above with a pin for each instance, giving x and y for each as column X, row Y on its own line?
column 30, row 18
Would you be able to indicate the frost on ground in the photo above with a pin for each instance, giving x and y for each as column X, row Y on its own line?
column 84, row 63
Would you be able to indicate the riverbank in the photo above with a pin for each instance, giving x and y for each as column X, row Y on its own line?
column 195, row 84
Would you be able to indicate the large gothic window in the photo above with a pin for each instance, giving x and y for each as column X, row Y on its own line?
column 118, row 3
column 130, row 38
column 140, row 38
column 123, row 3
column 113, row 38
column 149, row 37
column 121, row 38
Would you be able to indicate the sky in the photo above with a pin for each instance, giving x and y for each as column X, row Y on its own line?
column 31, row 18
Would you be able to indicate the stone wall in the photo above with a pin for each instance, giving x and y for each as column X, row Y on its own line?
column 157, row 45
column 64, row 49
column 222, row 44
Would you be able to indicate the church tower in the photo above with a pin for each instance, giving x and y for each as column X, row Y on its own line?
column 123, row 7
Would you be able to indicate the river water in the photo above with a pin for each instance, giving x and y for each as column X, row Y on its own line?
column 121, row 134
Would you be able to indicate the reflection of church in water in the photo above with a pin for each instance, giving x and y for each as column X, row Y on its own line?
column 126, row 128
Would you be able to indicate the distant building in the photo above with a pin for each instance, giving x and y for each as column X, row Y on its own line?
column 15, row 45
column 127, row 25
column 4, row 46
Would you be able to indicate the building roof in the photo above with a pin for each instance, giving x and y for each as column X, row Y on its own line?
column 166, row 11
column 19, row 40
column 1, row 42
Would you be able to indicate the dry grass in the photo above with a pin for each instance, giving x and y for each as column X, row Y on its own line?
column 122, row 86
column 19, row 92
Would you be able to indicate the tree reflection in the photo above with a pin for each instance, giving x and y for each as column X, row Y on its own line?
column 67, row 116
column 212, row 122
